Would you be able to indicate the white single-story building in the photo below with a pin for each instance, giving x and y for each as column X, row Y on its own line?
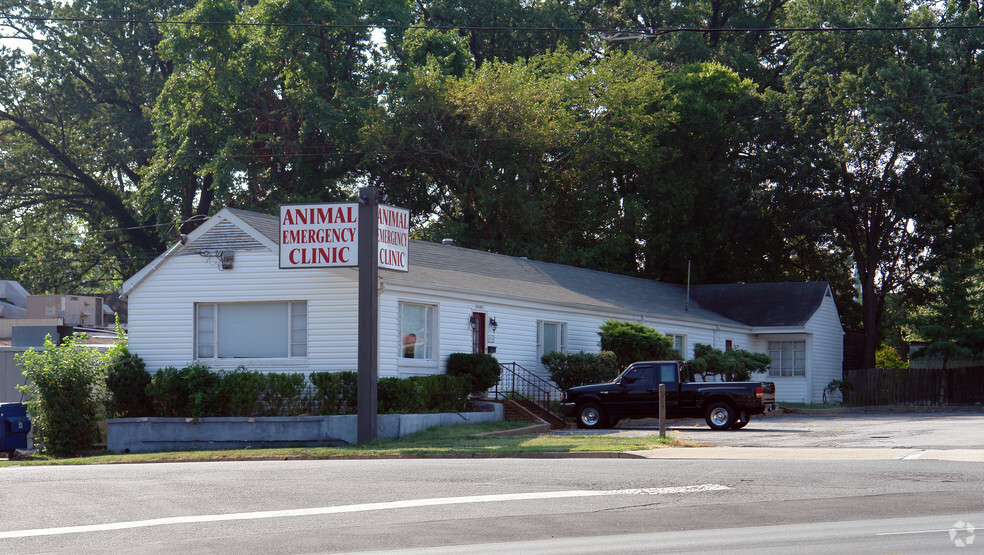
column 219, row 297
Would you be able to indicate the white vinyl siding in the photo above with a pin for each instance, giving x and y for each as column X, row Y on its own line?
column 826, row 350
column 251, row 330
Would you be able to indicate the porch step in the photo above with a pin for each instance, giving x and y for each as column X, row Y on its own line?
column 528, row 411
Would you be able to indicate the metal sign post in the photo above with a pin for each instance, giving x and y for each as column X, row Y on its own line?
column 368, row 235
column 368, row 312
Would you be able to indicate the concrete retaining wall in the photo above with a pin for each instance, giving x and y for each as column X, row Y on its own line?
column 141, row 435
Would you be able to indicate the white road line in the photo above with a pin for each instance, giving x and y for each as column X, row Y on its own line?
column 914, row 456
column 412, row 503
column 907, row 532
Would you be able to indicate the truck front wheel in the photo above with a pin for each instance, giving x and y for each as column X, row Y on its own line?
column 720, row 416
column 591, row 416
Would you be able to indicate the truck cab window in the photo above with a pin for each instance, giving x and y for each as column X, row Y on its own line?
column 667, row 373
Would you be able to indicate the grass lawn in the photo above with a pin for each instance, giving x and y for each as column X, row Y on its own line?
column 448, row 441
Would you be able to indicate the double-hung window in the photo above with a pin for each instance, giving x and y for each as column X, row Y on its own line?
column 251, row 330
column 680, row 344
column 788, row 358
column 418, row 332
column 550, row 337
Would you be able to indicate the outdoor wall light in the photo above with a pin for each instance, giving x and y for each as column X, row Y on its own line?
column 474, row 323
column 493, row 324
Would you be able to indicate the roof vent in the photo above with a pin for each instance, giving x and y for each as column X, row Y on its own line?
column 447, row 241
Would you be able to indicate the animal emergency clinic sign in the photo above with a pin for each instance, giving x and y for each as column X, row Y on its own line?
column 327, row 236
column 394, row 237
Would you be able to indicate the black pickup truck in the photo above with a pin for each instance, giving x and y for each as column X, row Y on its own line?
column 635, row 394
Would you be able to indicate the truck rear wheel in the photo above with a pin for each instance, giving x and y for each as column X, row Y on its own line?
column 720, row 416
column 591, row 416
column 742, row 421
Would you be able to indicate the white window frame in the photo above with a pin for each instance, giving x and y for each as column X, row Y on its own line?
column 206, row 341
column 787, row 364
column 431, row 333
column 561, row 337
column 682, row 340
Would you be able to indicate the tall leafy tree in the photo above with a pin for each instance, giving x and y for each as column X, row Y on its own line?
column 508, row 30
column 75, row 134
column 519, row 157
column 705, row 212
column 869, row 130
column 755, row 55
column 267, row 109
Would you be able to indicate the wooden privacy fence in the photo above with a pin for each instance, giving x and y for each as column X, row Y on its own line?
column 915, row 387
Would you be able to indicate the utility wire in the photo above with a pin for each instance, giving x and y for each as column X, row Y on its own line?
column 636, row 32
column 103, row 231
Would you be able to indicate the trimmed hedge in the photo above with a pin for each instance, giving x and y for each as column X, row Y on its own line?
column 196, row 391
column 335, row 392
column 127, row 380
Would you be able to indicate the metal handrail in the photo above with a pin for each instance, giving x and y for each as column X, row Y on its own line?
column 521, row 382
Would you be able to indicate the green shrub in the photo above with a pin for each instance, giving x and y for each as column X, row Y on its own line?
column 887, row 357
column 127, row 380
column 169, row 391
column 569, row 370
column 842, row 386
column 732, row 366
column 239, row 393
column 632, row 342
column 336, row 392
column 421, row 394
column 283, row 393
column 484, row 369
column 64, row 394
column 398, row 395
column 203, row 390
column 444, row 393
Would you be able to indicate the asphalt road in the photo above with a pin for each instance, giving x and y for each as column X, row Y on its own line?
column 571, row 505
column 940, row 430
column 516, row 505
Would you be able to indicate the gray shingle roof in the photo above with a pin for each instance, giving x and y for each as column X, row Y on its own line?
column 763, row 304
column 452, row 267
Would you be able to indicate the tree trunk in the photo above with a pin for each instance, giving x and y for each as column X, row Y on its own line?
column 869, row 307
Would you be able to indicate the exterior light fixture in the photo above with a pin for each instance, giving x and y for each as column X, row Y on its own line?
column 474, row 323
column 493, row 324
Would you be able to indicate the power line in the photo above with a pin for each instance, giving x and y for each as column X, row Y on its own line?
column 102, row 231
column 87, row 260
column 634, row 32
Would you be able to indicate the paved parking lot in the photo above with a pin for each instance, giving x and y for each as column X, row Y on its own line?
column 938, row 430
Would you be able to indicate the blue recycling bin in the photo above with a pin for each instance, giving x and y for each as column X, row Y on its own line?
column 14, row 426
